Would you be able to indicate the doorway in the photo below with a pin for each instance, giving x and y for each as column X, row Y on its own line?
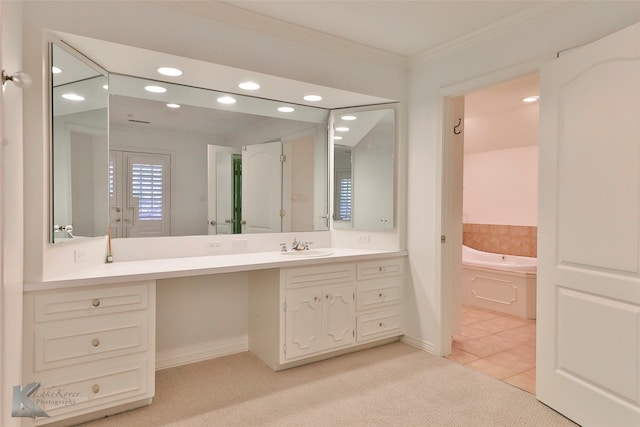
column 498, row 202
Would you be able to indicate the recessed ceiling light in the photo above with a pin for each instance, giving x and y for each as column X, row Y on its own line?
column 313, row 98
column 169, row 71
column 531, row 98
column 105, row 87
column 337, row 138
column 73, row 97
column 172, row 105
column 55, row 70
column 286, row 109
column 342, row 129
column 155, row 89
column 249, row 86
column 348, row 118
column 226, row 100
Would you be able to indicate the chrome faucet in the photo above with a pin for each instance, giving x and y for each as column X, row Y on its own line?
column 300, row 246
column 283, row 247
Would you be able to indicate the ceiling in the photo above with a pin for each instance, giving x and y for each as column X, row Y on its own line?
column 418, row 26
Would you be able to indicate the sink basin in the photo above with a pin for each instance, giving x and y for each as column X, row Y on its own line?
column 308, row 253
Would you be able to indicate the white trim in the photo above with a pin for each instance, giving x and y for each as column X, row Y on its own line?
column 199, row 352
column 419, row 344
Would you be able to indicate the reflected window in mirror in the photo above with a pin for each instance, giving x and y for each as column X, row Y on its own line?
column 79, row 146
column 364, row 168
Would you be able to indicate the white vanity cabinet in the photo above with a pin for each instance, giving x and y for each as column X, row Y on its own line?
column 303, row 314
column 92, row 349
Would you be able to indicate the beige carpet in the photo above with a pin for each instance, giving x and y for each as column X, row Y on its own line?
column 392, row 385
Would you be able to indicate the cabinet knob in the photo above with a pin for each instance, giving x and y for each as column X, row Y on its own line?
column 95, row 302
column 381, row 325
column 95, row 389
column 380, row 295
column 95, row 342
column 381, row 269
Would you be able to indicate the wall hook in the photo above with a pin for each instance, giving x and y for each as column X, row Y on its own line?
column 455, row 128
column 19, row 78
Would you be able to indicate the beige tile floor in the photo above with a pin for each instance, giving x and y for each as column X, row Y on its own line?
column 499, row 345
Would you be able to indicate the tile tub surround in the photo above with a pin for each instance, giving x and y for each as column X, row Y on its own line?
column 502, row 239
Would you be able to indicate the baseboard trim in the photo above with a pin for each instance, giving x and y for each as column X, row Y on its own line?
column 198, row 353
column 422, row 345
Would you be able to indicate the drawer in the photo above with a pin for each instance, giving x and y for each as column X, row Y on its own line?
column 83, row 340
column 323, row 275
column 72, row 304
column 68, row 392
column 380, row 295
column 378, row 325
column 379, row 268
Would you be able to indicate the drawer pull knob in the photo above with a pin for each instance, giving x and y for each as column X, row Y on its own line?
column 95, row 302
column 95, row 389
column 95, row 342
column 381, row 269
column 381, row 324
column 381, row 295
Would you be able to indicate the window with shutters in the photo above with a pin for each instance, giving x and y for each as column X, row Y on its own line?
column 343, row 196
column 147, row 186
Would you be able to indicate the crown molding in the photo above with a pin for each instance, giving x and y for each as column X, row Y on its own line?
column 224, row 12
column 479, row 36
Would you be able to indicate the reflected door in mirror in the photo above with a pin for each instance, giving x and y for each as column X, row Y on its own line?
column 262, row 188
column 139, row 196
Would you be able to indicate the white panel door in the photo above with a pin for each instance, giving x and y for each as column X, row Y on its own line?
column 224, row 190
column 588, row 357
column 139, row 194
column 303, row 322
column 262, row 188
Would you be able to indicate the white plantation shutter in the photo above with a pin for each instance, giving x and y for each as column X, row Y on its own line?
column 345, row 191
column 147, row 185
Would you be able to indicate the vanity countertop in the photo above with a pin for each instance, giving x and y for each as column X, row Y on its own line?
column 131, row 271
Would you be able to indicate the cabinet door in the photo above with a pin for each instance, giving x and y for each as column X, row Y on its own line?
column 303, row 320
column 338, row 316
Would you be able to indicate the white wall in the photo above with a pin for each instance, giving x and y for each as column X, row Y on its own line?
column 201, row 317
column 515, row 50
column 501, row 187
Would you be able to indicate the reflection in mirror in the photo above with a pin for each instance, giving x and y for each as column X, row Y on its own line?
column 364, row 147
column 79, row 147
column 182, row 163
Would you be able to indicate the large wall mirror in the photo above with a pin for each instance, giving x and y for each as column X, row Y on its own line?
column 141, row 157
column 80, row 149
column 180, row 160
column 363, row 168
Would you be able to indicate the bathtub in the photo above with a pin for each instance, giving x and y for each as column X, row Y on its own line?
column 504, row 283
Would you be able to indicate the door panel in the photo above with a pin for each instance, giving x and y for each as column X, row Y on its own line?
column 303, row 322
column 339, row 316
column 224, row 197
column 588, row 352
column 262, row 187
